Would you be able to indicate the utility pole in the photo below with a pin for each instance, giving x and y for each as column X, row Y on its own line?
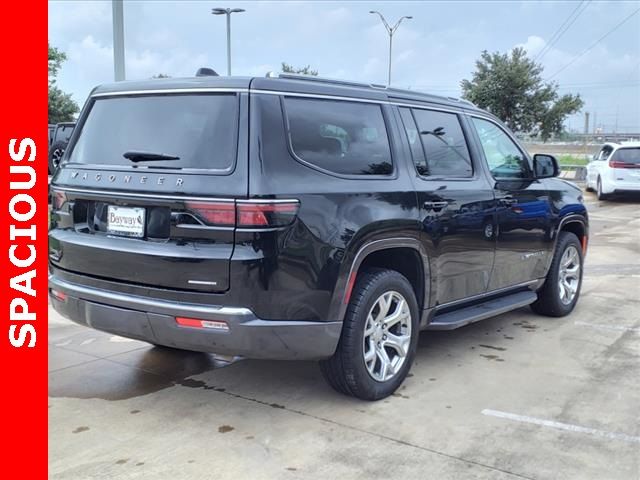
column 390, row 31
column 227, row 12
column 586, row 130
column 118, row 40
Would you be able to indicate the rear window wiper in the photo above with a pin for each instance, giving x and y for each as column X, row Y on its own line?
column 137, row 156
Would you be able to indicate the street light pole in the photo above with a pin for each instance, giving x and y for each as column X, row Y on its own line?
column 227, row 12
column 390, row 31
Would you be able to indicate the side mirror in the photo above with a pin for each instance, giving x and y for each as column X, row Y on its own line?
column 545, row 166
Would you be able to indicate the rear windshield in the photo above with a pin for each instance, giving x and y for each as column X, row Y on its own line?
column 199, row 129
column 627, row 155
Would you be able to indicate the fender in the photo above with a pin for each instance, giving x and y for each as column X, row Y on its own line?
column 571, row 218
column 339, row 300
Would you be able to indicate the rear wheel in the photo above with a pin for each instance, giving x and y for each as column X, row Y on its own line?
column 600, row 194
column 561, row 289
column 379, row 337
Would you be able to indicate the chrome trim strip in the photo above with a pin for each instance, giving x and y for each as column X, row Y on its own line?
column 270, row 200
column 486, row 294
column 171, row 308
column 356, row 99
column 170, row 90
column 154, row 196
column 201, row 282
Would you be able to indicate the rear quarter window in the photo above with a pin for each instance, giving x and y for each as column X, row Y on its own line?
column 342, row 137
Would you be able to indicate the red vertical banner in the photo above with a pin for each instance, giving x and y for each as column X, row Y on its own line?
column 23, row 226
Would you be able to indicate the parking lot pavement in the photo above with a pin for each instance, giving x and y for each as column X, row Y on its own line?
column 516, row 396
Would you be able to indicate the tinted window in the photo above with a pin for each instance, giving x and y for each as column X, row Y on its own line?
column 413, row 136
column 200, row 129
column 64, row 133
column 343, row 137
column 444, row 144
column 627, row 155
column 503, row 156
column 606, row 151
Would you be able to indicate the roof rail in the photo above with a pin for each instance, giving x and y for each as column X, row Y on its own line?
column 315, row 78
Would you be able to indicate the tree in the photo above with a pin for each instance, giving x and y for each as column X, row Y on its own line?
column 62, row 107
column 511, row 87
column 286, row 68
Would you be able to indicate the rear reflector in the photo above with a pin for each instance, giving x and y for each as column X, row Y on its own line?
column 350, row 283
column 246, row 214
column 197, row 323
column 58, row 295
column 585, row 241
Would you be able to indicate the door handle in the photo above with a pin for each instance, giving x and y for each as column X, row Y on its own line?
column 435, row 206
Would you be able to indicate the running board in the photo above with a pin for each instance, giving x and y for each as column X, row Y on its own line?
column 474, row 313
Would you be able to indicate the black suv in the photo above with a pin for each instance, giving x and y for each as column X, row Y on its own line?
column 300, row 218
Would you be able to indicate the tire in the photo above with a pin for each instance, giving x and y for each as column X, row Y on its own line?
column 601, row 196
column 348, row 371
column 55, row 155
column 553, row 297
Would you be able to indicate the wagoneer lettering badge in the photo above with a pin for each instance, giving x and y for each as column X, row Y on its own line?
column 127, row 179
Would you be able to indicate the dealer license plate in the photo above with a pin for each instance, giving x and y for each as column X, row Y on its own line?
column 126, row 221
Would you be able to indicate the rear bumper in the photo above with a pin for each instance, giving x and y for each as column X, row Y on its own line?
column 154, row 321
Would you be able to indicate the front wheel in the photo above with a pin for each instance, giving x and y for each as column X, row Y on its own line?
column 379, row 337
column 561, row 289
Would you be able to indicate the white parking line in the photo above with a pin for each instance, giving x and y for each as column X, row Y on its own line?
column 561, row 426
column 617, row 328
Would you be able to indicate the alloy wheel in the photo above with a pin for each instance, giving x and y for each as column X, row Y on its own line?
column 569, row 275
column 387, row 336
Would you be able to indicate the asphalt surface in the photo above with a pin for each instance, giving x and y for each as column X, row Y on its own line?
column 516, row 396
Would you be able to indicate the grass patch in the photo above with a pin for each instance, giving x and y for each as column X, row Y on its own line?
column 571, row 160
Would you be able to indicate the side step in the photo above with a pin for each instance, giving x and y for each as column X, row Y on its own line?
column 474, row 313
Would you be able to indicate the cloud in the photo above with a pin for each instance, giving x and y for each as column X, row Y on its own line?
column 533, row 45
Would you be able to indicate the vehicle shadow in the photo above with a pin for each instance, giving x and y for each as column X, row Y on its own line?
column 148, row 370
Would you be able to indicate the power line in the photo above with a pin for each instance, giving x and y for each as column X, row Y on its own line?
column 594, row 44
column 562, row 29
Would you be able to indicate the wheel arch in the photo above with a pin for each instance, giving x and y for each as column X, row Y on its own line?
column 405, row 255
column 576, row 224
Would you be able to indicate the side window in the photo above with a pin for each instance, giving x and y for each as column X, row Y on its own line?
column 444, row 144
column 604, row 154
column 347, row 138
column 413, row 136
column 503, row 156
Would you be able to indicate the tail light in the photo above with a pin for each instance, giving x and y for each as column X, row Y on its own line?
column 245, row 213
column 266, row 214
column 58, row 199
column 618, row 164
column 221, row 214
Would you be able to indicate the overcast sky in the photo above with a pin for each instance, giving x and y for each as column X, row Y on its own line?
column 432, row 52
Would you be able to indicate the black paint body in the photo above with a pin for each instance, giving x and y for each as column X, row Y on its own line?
column 476, row 244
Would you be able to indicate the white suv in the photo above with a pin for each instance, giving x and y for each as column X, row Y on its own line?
column 615, row 169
